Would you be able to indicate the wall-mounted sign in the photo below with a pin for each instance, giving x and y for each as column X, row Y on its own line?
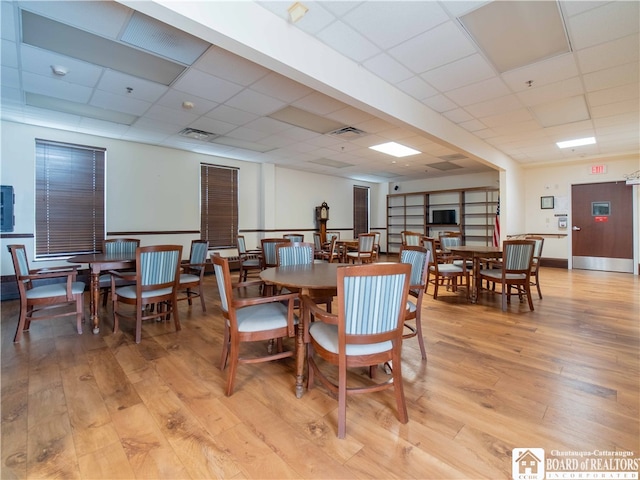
column 598, row 169
column 601, row 219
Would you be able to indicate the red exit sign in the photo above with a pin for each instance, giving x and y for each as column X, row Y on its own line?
column 598, row 169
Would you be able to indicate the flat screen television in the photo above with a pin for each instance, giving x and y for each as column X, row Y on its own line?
column 444, row 217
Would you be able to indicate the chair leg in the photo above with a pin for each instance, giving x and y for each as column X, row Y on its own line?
column 204, row 307
column 79, row 312
column 342, row 401
column 398, row 388
column 527, row 290
column 23, row 324
column 233, row 365
column 225, row 347
column 173, row 308
column 538, row 285
column 419, row 335
column 138, row 323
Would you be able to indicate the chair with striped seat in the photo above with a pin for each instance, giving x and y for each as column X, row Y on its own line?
column 156, row 281
column 116, row 246
column 439, row 271
column 418, row 258
column 250, row 260
column 46, row 301
column 192, row 275
column 294, row 237
column 250, row 319
column 514, row 270
column 269, row 251
column 366, row 245
column 366, row 332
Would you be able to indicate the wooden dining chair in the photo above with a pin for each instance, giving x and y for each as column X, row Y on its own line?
column 514, row 270
column 418, row 257
column 364, row 254
column 269, row 251
column 40, row 301
column 191, row 280
column 440, row 272
column 251, row 319
column 535, row 262
column 156, row 282
column 294, row 237
column 411, row 238
column 116, row 246
column 249, row 260
column 367, row 331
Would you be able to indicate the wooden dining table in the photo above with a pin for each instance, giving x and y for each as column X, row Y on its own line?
column 99, row 262
column 475, row 253
column 318, row 280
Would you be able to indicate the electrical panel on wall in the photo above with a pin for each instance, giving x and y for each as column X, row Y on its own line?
column 7, row 201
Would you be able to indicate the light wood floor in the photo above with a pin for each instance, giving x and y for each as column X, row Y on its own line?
column 564, row 377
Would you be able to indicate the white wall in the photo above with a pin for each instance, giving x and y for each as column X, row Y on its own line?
column 556, row 181
column 153, row 188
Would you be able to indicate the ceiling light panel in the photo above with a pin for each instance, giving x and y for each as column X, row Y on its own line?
column 162, row 39
column 394, row 149
column 579, row 142
column 509, row 33
column 54, row 36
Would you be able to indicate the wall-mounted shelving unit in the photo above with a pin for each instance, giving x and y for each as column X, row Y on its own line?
column 473, row 211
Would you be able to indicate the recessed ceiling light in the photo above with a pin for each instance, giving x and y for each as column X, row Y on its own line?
column 577, row 142
column 395, row 149
column 297, row 11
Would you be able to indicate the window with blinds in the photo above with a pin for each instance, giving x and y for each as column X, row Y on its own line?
column 219, row 205
column 360, row 210
column 69, row 199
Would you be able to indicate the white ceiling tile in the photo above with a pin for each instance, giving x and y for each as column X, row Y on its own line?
column 388, row 23
column 174, row 99
column 55, row 87
column 458, row 115
column 267, row 125
column 563, row 111
column 119, row 103
column 225, row 65
column 94, row 126
column 171, row 115
column 243, row 133
column 347, row 41
column 152, row 125
column 119, row 83
column 281, row 87
column 440, row 103
column 254, row 102
column 617, row 108
column 417, row 88
column 473, row 125
column 317, row 18
column 542, row 73
column 612, row 95
column 7, row 21
column 38, row 61
column 572, row 7
column 212, row 125
column 319, row 103
column 554, row 91
column 612, row 77
column 460, row 7
column 471, row 69
column 419, row 54
column 478, row 92
column 350, row 116
column 387, row 68
column 9, row 54
column 513, row 116
column 206, row 86
column 233, row 116
column 516, row 128
column 594, row 26
column 10, row 78
column 494, row 106
column 610, row 54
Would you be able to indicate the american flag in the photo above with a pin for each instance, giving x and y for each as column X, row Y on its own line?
column 496, row 227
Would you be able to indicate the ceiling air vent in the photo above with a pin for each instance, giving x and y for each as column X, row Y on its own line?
column 198, row 134
column 348, row 132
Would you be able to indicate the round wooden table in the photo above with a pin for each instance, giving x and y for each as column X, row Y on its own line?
column 318, row 280
column 475, row 253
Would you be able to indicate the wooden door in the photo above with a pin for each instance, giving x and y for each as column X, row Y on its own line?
column 602, row 227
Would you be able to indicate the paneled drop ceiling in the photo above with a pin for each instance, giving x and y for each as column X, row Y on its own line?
column 105, row 69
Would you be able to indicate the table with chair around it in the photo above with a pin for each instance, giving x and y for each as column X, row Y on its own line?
column 99, row 262
column 475, row 253
column 318, row 280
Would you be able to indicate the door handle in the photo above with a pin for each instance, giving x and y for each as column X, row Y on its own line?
column 576, row 229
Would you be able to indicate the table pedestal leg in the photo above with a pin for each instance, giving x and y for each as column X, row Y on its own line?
column 474, row 280
column 95, row 300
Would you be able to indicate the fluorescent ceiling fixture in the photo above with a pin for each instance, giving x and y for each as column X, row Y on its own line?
column 518, row 33
column 81, row 109
column 577, row 142
column 57, row 37
column 307, row 120
column 162, row 39
column 394, row 149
